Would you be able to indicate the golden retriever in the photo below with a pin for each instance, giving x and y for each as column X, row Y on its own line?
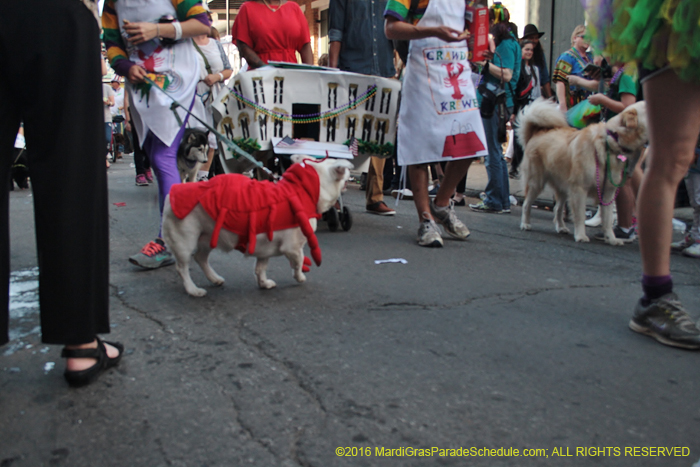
column 575, row 162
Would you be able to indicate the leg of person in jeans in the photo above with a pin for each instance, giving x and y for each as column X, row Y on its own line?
column 494, row 169
column 674, row 125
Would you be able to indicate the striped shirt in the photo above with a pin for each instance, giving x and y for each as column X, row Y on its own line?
column 116, row 49
column 399, row 9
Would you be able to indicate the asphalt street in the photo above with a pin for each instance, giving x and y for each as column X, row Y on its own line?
column 511, row 339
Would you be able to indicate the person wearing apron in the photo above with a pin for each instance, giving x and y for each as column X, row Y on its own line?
column 163, row 52
column 439, row 118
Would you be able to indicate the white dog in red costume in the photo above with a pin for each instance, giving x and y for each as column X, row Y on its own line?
column 261, row 219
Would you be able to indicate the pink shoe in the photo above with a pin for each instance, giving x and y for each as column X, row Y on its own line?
column 149, row 175
column 141, row 180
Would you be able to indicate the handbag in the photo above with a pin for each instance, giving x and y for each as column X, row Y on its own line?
column 491, row 96
column 503, row 118
column 583, row 114
column 461, row 142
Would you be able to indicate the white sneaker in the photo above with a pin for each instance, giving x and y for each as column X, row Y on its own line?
column 402, row 194
column 681, row 245
column 693, row 251
column 447, row 217
column 429, row 234
column 596, row 220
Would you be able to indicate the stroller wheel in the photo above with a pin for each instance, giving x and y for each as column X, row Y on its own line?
column 346, row 219
column 331, row 217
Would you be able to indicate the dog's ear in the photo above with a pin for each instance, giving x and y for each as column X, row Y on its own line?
column 339, row 173
column 192, row 138
column 341, row 168
column 629, row 119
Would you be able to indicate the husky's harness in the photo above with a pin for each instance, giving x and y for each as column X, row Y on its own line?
column 249, row 207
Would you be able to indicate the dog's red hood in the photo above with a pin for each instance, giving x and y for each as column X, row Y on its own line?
column 250, row 207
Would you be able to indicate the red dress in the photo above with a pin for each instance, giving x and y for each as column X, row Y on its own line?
column 273, row 35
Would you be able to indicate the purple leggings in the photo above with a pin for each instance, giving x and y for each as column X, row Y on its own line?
column 164, row 162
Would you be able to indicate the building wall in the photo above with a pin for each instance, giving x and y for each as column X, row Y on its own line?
column 557, row 19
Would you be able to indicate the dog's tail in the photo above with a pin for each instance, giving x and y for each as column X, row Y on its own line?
column 541, row 115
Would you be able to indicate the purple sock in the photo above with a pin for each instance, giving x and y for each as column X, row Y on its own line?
column 655, row 287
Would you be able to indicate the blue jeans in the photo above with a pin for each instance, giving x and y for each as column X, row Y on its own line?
column 498, row 188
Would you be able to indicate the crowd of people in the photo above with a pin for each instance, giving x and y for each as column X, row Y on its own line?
column 149, row 42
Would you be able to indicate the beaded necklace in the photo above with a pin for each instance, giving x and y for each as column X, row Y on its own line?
column 306, row 118
column 270, row 7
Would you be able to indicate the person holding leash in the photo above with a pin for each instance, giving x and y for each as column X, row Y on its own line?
column 151, row 39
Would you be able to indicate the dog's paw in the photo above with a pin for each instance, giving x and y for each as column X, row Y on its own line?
column 563, row 230
column 524, row 226
column 614, row 241
column 197, row 292
column 216, row 280
column 300, row 277
column 267, row 284
column 582, row 238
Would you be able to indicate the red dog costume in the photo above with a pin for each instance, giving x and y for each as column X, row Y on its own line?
column 249, row 207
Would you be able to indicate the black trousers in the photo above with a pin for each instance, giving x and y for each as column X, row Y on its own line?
column 141, row 161
column 51, row 80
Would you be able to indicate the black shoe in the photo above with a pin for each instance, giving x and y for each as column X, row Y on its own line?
column 87, row 376
column 627, row 237
column 666, row 320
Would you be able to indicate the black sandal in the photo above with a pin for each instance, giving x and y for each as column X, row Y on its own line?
column 87, row 376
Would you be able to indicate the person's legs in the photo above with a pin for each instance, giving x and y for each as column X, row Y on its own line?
column 375, row 181
column 625, row 206
column 674, row 125
column 140, row 159
column 518, row 154
column 455, row 174
column 164, row 161
column 206, row 167
column 70, row 209
column 494, row 166
column 418, row 175
column 693, row 185
column 374, row 199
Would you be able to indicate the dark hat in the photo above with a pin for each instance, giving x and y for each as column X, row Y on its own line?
column 530, row 30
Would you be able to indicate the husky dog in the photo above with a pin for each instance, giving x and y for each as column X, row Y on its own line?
column 191, row 154
column 574, row 161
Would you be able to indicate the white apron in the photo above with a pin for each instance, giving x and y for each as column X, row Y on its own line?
column 177, row 66
column 439, row 118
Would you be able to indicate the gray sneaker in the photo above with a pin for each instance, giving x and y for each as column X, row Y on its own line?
column 666, row 320
column 429, row 234
column 152, row 256
column 448, row 219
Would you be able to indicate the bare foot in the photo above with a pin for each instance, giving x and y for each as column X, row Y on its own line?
column 79, row 364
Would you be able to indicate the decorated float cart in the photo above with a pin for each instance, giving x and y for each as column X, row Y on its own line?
column 283, row 109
